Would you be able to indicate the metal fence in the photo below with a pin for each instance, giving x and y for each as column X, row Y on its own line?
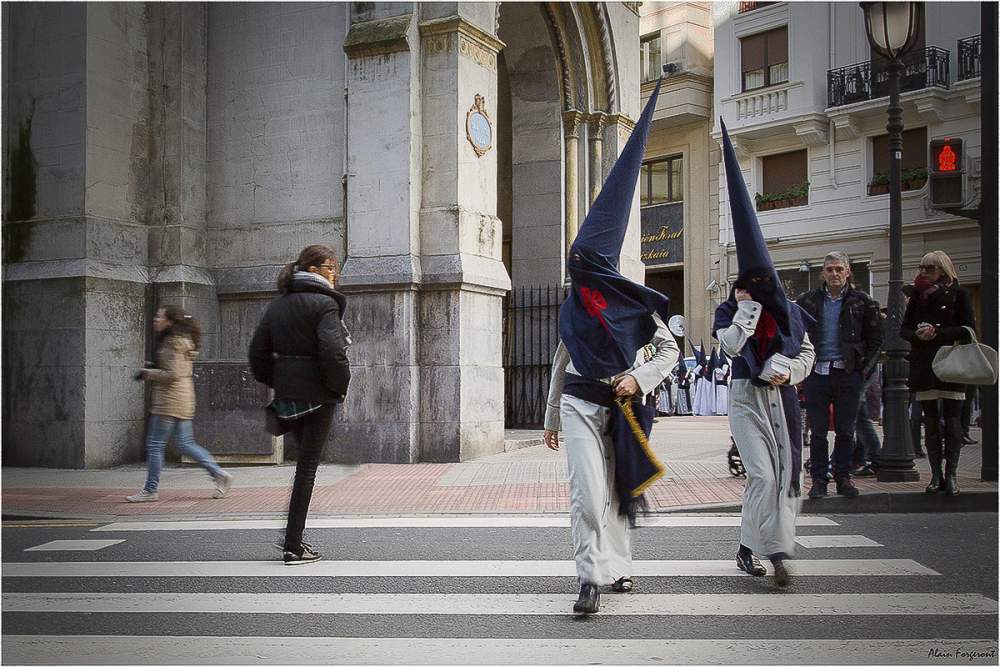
column 530, row 338
column 923, row 68
column 969, row 57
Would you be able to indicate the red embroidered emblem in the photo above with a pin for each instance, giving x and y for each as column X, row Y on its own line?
column 594, row 302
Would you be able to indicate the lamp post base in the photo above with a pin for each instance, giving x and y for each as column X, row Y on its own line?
column 897, row 470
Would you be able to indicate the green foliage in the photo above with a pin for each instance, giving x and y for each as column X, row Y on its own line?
column 794, row 192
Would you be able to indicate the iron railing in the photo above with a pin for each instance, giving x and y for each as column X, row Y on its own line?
column 530, row 338
column 969, row 57
column 924, row 68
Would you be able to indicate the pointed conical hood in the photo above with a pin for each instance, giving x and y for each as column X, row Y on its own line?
column 606, row 317
column 603, row 230
column 751, row 250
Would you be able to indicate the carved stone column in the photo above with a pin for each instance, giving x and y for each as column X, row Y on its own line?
column 597, row 122
column 571, row 130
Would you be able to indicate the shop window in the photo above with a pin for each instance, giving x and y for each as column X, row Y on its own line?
column 764, row 59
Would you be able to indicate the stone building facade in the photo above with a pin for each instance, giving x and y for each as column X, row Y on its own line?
column 182, row 153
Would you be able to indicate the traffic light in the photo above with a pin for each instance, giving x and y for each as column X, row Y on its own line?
column 947, row 176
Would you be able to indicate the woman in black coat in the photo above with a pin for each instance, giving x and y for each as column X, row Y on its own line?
column 300, row 350
column 936, row 315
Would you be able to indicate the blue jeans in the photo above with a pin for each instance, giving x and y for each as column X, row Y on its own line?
column 843, row 390
column 871, row 448
column 160, row 430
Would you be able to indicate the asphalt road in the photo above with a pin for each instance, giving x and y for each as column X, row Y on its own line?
column 396, row 595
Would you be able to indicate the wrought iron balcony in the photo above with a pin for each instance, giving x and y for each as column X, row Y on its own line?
column 924, row 68
column 750, row 6
column 969, row 57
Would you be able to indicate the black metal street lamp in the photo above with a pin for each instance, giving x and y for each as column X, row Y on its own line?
column 892, row 29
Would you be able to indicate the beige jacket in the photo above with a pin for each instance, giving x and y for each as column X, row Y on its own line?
column 173, row 381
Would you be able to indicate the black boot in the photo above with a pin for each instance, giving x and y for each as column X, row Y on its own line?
column 589, row 601
column 953, row 449
column 746, row 561
column 934, row 456
column 781, row 576
column 951, row 485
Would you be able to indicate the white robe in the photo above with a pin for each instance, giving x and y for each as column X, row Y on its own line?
column 757, row 421
column 721, row 390
column 601, row 546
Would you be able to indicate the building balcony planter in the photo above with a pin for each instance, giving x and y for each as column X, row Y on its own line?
column 879, row 185
column 909, row 179
column 797, row 195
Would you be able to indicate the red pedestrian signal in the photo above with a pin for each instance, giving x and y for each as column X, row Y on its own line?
column 947, row 177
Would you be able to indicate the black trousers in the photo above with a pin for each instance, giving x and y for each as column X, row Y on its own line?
column 310, row 434
column 952, row 435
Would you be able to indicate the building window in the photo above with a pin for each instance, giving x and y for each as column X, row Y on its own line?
column 784, row 181
column 764, row 59
column 649, row 57
column 662, row 181
column 797, row 282
column 913, row 168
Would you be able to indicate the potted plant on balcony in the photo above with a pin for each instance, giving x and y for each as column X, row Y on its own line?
column 797, row 195
column 913, row 179
column 879, row 185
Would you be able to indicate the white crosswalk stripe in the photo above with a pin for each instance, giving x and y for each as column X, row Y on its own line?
column 199, row 650
column 503, row 521
column 448, row 568
column 649, row 604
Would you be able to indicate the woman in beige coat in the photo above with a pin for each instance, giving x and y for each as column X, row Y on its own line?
column 173, row 401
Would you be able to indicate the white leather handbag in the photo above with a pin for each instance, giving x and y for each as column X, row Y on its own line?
column 971, row 363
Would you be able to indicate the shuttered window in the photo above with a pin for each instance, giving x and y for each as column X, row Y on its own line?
column 914, row 151
column 783, row 171
column 764, row 58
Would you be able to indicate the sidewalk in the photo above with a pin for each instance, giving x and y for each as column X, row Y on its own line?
column 525, row 479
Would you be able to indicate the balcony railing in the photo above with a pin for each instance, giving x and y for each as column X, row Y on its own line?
column 925, row 68
column 750, row 6
column 969, row 57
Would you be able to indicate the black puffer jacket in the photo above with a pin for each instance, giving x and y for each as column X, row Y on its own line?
column 860, row 327
column 949, row 309
column 300, row 346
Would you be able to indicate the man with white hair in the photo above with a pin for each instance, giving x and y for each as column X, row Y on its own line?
column 847, row 333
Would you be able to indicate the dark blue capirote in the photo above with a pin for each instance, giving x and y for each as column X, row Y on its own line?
column 757, row 275
column 606, row 318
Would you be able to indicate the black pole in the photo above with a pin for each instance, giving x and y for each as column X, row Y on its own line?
column 897, row 450
column 988, row 228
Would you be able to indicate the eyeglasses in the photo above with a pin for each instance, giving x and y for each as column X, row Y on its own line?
column 927, row 268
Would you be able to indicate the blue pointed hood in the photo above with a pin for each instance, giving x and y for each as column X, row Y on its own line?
column 607, row 318
column 757, row 274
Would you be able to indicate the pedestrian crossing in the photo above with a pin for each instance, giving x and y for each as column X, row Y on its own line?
column 475, row 590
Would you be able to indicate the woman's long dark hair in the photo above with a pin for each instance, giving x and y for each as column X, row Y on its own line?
column 181, row 323
column 313, row 255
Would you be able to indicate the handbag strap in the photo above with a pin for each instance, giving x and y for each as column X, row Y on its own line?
column 972, row 335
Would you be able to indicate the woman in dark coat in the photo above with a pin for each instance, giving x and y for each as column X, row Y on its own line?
column 300, row 350
column 936, row 316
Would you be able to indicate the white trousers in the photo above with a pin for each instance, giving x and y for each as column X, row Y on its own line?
column 601, row 546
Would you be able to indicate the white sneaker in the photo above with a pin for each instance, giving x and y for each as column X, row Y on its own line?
column 143, row 496
column 222, row 483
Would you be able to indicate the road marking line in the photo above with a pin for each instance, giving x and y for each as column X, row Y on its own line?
column 449, row 568
column 835, row 541
column 203, row 650
column 504, row 521
column 75, row 545
column 653, row 604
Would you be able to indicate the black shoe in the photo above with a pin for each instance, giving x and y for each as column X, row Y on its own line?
column 623, row 585
column 305, row 554
column 818, row 489
column 870, row 470
column 781, row 576
column 919, row 454
column 951, row 485
column 589, row 601
column 846, row 488
column 969, row 440
column 935, row 484
column 749, row 564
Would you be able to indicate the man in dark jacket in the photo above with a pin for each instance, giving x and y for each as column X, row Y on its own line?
column 848, row 336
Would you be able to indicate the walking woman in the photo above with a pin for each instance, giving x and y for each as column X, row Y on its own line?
column 937, row 315
column 300, row 350
column 172, row 409
column 765, row 335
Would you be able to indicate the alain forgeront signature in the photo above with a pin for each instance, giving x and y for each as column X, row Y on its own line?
column 962, row 653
